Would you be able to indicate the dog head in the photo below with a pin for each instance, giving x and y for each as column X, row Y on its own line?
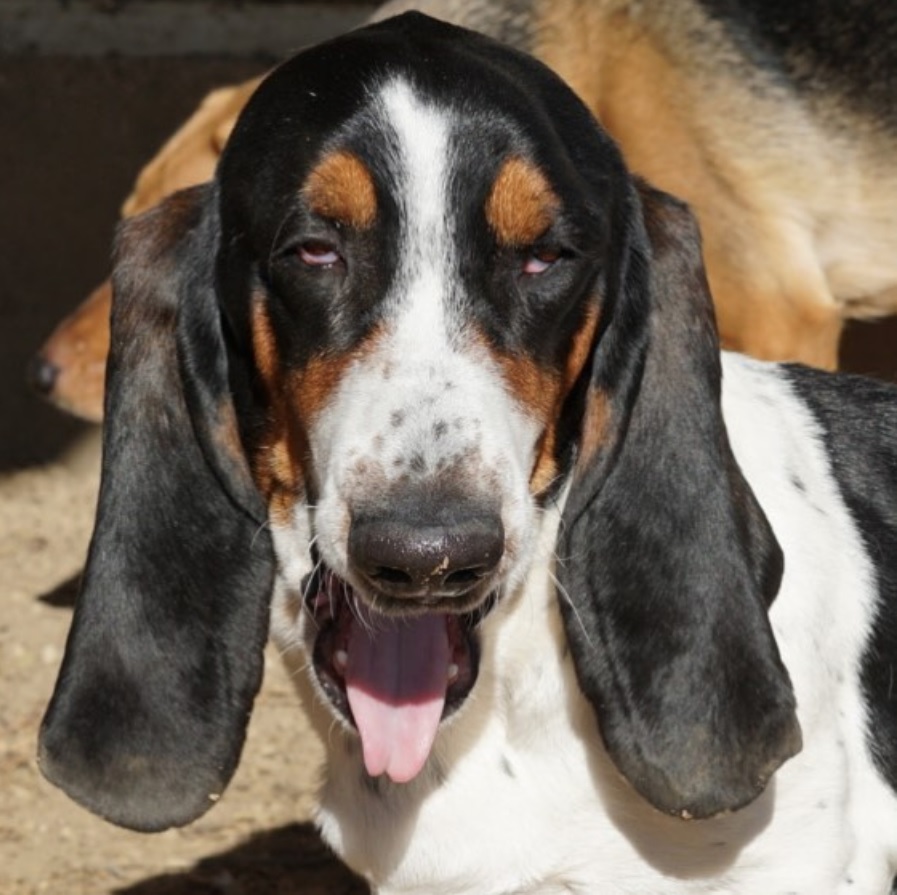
column 422, row 297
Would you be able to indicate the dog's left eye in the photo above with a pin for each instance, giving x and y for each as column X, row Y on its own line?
column 318, row 254
column 540, row 260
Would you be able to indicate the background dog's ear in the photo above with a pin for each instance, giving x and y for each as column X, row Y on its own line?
column 667, row 562
column 165, row 653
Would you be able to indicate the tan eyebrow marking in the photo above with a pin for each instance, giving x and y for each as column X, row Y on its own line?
column 521, row 205
column 341, row 187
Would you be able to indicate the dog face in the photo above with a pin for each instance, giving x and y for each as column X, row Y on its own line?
column 418, row 382
column 422, row 298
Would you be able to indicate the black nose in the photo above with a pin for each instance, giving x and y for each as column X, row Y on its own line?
column 401, row 556
column 42, row 375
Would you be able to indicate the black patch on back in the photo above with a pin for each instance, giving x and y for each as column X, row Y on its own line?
column 844, row 47
column 858, row 417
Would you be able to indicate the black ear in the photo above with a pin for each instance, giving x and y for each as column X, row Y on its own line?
column 668, row 562
column 164, row 657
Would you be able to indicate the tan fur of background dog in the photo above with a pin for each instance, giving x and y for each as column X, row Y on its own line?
column 795, row 195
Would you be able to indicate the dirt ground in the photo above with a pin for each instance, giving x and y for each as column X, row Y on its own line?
column 257, row 841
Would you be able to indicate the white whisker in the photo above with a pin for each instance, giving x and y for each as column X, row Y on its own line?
column 262, row 527
column 565, row 596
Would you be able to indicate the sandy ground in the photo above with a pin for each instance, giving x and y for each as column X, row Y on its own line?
column 256, row 841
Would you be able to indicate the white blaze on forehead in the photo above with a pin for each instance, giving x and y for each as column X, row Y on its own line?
column 421, row 131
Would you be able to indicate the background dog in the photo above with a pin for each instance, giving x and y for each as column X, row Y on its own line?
column 776, row 123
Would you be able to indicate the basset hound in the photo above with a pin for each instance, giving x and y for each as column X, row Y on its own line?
column 426, row 383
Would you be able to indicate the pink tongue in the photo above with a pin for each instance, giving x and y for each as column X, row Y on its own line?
column 396, row 679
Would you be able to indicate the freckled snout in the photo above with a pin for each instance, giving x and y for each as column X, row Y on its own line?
column 413, row 549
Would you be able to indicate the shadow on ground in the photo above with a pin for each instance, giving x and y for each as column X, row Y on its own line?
column 290, row 860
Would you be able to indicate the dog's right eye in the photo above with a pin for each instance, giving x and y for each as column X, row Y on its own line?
column 318, row 254
column 540, row 260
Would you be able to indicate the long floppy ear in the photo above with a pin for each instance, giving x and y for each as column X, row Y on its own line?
column 668, row 561
column 165, row 653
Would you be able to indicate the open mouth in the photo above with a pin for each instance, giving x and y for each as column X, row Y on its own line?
column 393, row 677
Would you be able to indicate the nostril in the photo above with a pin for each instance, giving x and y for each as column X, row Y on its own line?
column 464, row 576
column 386, row 575
column 42, row 375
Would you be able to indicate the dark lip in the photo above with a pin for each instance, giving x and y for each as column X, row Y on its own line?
column 331, row 613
